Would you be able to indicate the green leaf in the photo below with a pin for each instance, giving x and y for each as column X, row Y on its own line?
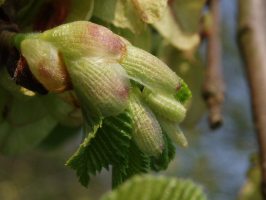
column 120, row 13
column 172, row 32
column 108, row 147
column 162, row 162
column 150, row 11
column 136, row 163
column 80, row 10
column 151, row 188
column 184, row 94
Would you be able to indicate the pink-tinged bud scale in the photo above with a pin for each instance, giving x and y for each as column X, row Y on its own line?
column 46, row 64
column 82, row 38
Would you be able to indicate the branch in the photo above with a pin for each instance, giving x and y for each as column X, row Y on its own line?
column 213, row 87
column 252, row 43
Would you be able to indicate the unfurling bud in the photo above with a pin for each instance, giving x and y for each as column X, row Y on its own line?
column 82, row 38
column 150, row 71
column 45, row 64
column 147, row 132
column 165, row 106
column 174, row 132
column 104, row 84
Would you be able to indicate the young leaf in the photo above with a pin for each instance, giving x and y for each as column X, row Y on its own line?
column 109, row 146
column 151, row 188
column 162, row 162
column 136, row 163
column 120, row 13
column 172, row 32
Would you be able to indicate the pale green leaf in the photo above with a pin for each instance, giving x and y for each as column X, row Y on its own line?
column 151, row 188
column 172, row 32
column 150, row 11
column 120, row 13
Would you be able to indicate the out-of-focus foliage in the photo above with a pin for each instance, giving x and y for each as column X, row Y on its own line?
column 251, row 189
column 150, row 188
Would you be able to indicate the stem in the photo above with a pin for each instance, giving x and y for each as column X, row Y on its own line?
column 252, row 43
column 213, row 87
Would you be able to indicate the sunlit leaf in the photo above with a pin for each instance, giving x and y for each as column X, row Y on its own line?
column 172, row 32
column 120, row 13
column 150, row 11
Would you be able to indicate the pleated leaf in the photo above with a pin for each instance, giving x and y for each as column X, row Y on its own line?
column 108, row 147
column 151, row 188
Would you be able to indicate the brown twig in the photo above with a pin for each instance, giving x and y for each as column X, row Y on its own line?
column 252, row 43
column 213, row 86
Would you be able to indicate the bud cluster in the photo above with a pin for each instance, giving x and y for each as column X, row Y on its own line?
column 92, row 60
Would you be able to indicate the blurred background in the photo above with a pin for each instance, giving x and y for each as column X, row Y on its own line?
column 218, row 160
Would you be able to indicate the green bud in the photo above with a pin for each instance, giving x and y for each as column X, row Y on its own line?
column 45, row 64
column 82, row 38
column 104, row 84
column 147, row 132
column 174, row 132
column 165, row 106
column 150, row 71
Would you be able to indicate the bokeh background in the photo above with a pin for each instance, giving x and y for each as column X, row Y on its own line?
column 218, row 160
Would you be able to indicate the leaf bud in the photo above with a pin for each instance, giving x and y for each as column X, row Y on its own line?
column 46, row 64
column 82, row 38
column 147, row 132
column 165, row 105
column 103, row 83
column 174, row 132
column 149, row 70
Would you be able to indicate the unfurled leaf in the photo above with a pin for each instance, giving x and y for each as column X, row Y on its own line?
column 80, row 10
column 151, row 188
column 172, row 32
column 136, row 163
column 120, row 13
column 109, row 146
column 150, row 11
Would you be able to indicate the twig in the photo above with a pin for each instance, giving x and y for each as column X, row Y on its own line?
column 213, row 86
column 252, row 43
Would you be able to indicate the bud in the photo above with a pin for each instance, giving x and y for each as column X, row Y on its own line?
column 82, row 38
column 174, row 132
column 45, row 64
column 148, row 70
column 147, row 132
column 102, row 83
column 165, row 106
